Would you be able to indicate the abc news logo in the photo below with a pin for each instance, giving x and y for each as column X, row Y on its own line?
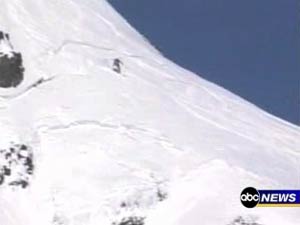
column 250, row 198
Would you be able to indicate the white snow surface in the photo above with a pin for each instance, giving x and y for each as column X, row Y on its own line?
column 5, row 48
column 105, row 143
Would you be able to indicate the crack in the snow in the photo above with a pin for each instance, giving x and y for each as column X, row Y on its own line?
column 162, row 140
column 34, row 85
column 96, row 123
column 68, row 42
column 65, row 43
column 76, row 124
column 28, row 88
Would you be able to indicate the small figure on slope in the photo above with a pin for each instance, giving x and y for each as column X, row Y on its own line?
column 117, row 65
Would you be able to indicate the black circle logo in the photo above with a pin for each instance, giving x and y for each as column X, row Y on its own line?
column 250, row 197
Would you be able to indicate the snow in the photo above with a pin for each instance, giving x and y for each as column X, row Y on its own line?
column 105, row 144
column 5, row 48
column 218, row 204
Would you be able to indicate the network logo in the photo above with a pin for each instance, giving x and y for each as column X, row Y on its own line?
column 251, row 197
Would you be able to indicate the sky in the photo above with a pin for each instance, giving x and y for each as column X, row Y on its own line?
column 251, row 48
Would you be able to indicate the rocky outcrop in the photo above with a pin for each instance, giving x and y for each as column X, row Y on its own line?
column 11, row 64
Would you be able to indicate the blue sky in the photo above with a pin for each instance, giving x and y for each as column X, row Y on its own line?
column 250, row 47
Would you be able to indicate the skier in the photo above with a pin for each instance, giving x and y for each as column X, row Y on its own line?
column 117, row 65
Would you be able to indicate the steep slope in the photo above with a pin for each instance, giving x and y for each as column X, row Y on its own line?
column 102, row 129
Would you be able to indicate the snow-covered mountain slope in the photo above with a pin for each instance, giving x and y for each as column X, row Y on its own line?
column 102, row 129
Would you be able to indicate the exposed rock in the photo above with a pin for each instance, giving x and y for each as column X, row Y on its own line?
column 16, row 165
column 11, row 64
column 132, row 221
